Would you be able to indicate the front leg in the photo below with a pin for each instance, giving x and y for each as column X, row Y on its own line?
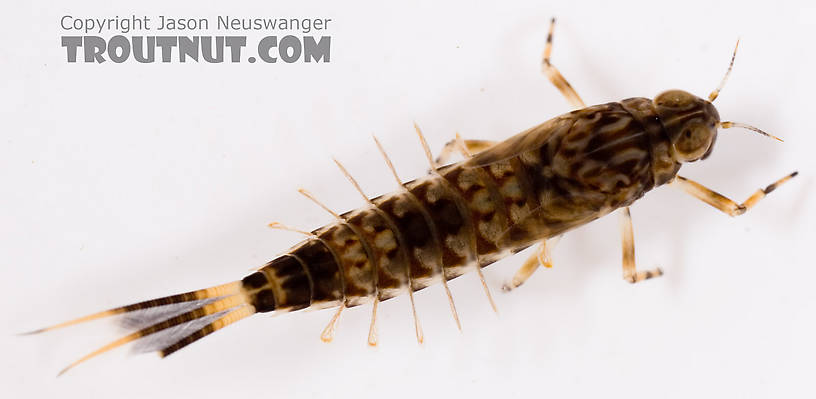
column 723, row 203
column 630, row 273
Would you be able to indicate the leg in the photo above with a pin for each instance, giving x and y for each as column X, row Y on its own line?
column 723, row 203
column 555, row 77
column 630, row 273
column 541, row 257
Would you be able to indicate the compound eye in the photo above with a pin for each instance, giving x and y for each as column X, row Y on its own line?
column 694, row 141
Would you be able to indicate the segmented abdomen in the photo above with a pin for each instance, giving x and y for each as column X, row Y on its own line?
column 440, row 226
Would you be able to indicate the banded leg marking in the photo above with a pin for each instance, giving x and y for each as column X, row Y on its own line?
column 630, row 273
column 723, row 203
column 555, row 76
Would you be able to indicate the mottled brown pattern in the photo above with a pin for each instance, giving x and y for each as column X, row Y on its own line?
column 289, row 283
column 520, row 202
column 540, row 183
column 390, row 259
column 451, row 226
column 581, row 166
column 358, row 272
column 664, row 166
column 416, row 233
column 543, row 182
column 488, row 217
column 324, row 270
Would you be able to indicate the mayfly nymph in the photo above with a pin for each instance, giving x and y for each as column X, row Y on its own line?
column 502, row 198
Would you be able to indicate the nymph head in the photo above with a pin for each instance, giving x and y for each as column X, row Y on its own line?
column 691, row 122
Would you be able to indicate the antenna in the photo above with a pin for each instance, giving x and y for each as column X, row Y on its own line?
column 715, row 93
column 729, row 124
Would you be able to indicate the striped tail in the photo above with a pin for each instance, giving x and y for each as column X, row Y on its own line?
column 170, row 323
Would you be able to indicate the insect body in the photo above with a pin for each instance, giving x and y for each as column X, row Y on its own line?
column 529, row 189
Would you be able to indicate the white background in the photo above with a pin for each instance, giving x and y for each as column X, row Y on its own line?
column 127, row 182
